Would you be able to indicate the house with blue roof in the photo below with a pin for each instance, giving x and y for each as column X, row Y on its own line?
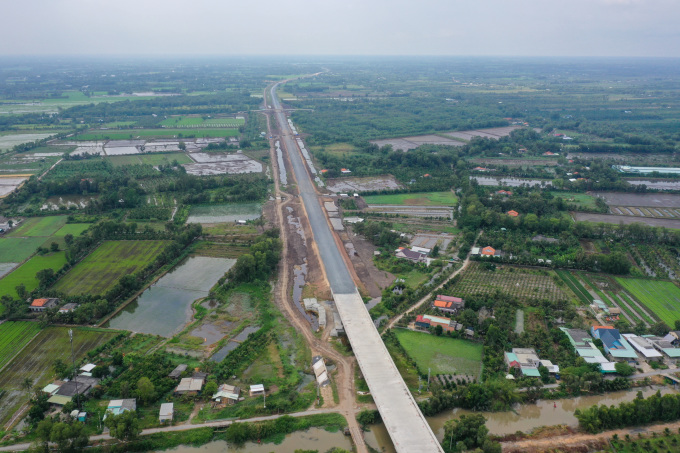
column 614, row 344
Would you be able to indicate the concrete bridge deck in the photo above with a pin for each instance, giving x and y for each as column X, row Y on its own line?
column 400, row 413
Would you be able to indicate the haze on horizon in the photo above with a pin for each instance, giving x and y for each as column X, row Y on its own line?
column 342, row 27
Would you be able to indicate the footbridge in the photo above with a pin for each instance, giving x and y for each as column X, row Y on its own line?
column 405, row 423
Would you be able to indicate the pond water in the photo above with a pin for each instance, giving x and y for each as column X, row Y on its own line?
column 512, row 182
column 243, row 335
column 223, row 213
column 11, row 140
column 233, row 343
column 165, row 307
column 656, row 184
column 523, row 418
column 312, row 439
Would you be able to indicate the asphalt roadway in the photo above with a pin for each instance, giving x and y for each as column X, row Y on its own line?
column 400, row 413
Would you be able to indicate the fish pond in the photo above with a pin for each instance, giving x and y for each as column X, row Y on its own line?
column 165, row 307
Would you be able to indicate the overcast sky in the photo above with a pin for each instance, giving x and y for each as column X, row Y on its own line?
column 341, row 27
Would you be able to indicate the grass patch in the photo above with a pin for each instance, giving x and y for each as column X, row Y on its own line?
column 414, row 199
column 660, row 297
column 39, row 226
column 149, row 133
column 443, row 355
column 415, row 278
column 14, row 335
column 26, row 272
column 580, row 199
column 197, row 121
column 101, row 270
column 16, row 250
column 75, row 229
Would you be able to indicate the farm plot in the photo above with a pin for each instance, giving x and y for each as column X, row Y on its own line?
column 222, row 163
column 626, row 219
column 657, row 261
column 652, row 200
column 25, row 274
column 14, row 335
column 516, row 281
column 197, row 122
column 35, row 362
column 150, row 159
column 16, row 250
column 39, row 226
column 339, row 185
column 442, row 355
column 660, row 297
column 416, row 199
column 102, row 269
column 149, row 133
column 75, row 229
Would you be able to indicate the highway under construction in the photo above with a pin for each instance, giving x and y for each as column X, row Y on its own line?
column 406, row 425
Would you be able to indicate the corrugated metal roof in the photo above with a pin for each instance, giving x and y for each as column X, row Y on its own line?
column 59, row 399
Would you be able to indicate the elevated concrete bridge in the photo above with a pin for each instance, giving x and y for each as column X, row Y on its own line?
column 399, row 411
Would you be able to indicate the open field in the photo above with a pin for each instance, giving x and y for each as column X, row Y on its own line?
column 456, row 138
column 16, row 250
column 517, row 281
column 660, row 297
column 442, row 354
column 14, row 335
column 101, row 270
column 356, row 184
column 38, row 226
column 626, row 220
column 197, row 121
column 582, row 200
column 148, row 133
column 653, row 200
column 337, row 149
column 76, row 229
column 416, row 199
column 35, row 362
column 150, row 159
column 26, row 272
column 510, row 162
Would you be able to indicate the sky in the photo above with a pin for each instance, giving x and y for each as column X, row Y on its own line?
column 342, row 27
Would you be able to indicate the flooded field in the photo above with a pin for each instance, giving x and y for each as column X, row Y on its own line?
column 626, row 219
column 314, row 439
column 165, row 307
column 346, row 185
column 633, row 199
column 672, row 184
column 512, row 182
column 222, row 163
column 9, row 183
column 458, row 138
column 523, row 418
column 12, row 140
column 515, row 162
column 53, row 203
column 223, row 213
column 6, row 268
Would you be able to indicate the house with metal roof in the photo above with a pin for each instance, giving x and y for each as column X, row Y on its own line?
column 40, row 305
column 584, row 347
column 190, row 386
column 614, row 344
column 177, row 372
column 166, row 413
column 665, row 346
column 227, row 394
column 524, row 359
column 256, row 390
column 448, row 304
column 643, row 346
column 117, row 407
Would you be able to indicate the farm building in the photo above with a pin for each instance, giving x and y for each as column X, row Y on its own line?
column 80, row 385
column 427, row 321
column 40, row 305
column 489, row 251
column 583, row 344
column 448, row 304
column 643, row 346
column 524, row 359
column 665, row 346
column 506, row 193
column 68, row 307
column 227, row 394
column 51, row 389
column 615, row 345
column 256, row 390
column 320, row 371
column 345, row 171
column 117, row 407
column 513, row 213
column 177, row 372
column 166, row 413
column 646, row 170
column 410, row 255
column 189, row 386
column 423, row 250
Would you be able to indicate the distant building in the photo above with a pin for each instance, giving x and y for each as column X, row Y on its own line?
column 345, row 171
column 541, row 238
column 480, row 169
column 448, row 304
column 117, row 407
column 227, row 394
column 40, row 305
column 166, row 413
column 614, row 344
column 190, row 386
column 68, row 307
column 488, row 251
column 257, row 390
column 427, row 321
column 410, row 255
column 513, row 213
column 177, row 372
column 507, row 193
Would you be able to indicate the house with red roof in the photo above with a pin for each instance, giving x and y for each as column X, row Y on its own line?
column 40, row 305
column 448, row 304
column 513, row 213
column 488, row 251
column 504, row 192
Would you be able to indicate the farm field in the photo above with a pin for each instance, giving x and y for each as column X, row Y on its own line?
column 150, row 159
column 657, row 260
column 14, row 335
column 417, row 199
column 582, row 200
column 26, row 272
column 516, row 281
column 442, row 354
column 75, row 229
column 148, row 133
column 16, row 250
column 35, row 362
column 39, row 226
column 197, row 121
column 670, row 223
column 101, row 270
column 660, row 297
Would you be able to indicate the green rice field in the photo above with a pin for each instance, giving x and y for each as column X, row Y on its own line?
column 197, row 121
column 414, row 199
column 101, row 270
column 36, row 360
column 662, row 298
column 150, row 159
column 443, row 355
column 38, row 226
column 26, row 272
column 14, row 335
column 149, row 133
column 76, row 229
column 16, row 250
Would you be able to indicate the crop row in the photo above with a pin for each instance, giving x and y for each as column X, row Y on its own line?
column 575, row 286
column 661, row 298
column 635, row 307
column 13, row 337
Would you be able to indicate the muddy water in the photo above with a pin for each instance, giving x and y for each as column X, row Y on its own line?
column 312, row 439
column 512, row 182
column 524, row 418
column 165, row 307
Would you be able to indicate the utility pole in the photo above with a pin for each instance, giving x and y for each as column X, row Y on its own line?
column 264, row 396
column 73, row 363
column 428, row 379
column 420, row 385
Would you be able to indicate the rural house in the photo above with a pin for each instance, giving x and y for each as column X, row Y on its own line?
column 525, row 360
column 177, row 372
column 40, row 305
column 117, row 407
column 410, row 255
column 427, row 321
column 513, row 213
column 68, row 307
column 614, row 344
column 488, row 251
column 448, row 304
column 257, row 390
column 583, row 344
column 166, row 413
column 227, row 394
column 190, row 386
